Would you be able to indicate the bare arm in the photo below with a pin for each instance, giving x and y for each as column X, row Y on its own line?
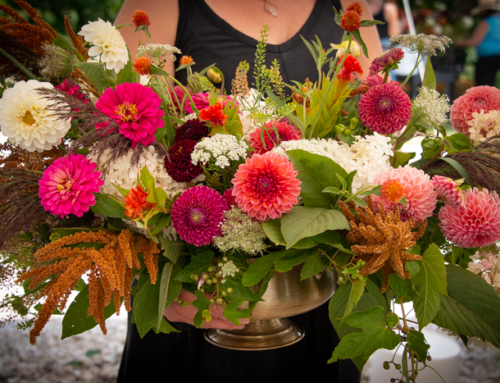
column 369, row 35
column 392, row 18
column 164, row 15
column 477, row 36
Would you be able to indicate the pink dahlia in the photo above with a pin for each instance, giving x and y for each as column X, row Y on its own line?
column 68, row 186
column 385, row 108
column 197, row 215
column 449, row 191
column 387, row 60
column 266, row 186
column 479, row 98
column 285, row 132
column 136, row 109
column 421, row 198
column 477, row 224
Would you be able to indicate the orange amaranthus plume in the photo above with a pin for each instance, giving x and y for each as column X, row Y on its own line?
column 76, row 40
column 110, row 271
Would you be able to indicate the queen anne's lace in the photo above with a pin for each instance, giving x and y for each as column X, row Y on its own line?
column 219, row 150
column 425, row 44
column 158, row 51
column 430, row 107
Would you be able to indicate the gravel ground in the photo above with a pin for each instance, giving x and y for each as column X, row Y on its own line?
column 92, row 357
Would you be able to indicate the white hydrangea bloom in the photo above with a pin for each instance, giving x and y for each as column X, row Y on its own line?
column 484, row 126
column 107, row 42
column 26, row 120
column 431, row 107
column 486, row 264
column 158, row 51
column 219, row 149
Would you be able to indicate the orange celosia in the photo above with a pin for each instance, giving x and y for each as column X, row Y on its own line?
column 186, row 60
column 142, row 66
column 351, row 65
column 214, row 114
column 141, row 18
column 135, row 203
column 351, row 21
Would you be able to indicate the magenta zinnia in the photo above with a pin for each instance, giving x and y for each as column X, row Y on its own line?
column 387, row 60
column 266, row 186
column 385, row 108
column 416, row 188
column 178, row 161
column 485, row 98
column 68, row 186
column 197, row 215
column 73, row 89
column 136, row 109
column 477, row 224
column 449, row 191
column 285, row 132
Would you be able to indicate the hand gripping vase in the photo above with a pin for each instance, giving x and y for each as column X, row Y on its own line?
column 286, row 296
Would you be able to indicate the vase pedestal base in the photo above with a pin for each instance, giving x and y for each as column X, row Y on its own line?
column 257, row 335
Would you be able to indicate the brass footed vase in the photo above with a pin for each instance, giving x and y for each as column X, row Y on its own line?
column 286, row 296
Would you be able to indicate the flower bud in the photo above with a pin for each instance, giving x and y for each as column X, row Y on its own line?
column 56, row 63
column 214, row 75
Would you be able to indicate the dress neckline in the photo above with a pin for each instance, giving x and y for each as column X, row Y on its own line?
column 276, row 48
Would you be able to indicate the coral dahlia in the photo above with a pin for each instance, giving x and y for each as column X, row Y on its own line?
column 266, row 186
column 68, row 185
column 479, row 98
column 385, row 108
column 197, row 215
column 136, row 109
column 421, row 198
column 178, row 161
column 449, row 191
column 477, row 224
column 285, row 132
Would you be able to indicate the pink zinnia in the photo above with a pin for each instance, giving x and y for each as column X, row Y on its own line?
column 73, row 89
column 421, row 198
column 266, row 186
column 449, row 191
column 285, row 131
column 385, row 108
column 479, row 98
column 68, row 186
column 387, row 60
column 477, row 224
column 136, row 109
column 197, row 215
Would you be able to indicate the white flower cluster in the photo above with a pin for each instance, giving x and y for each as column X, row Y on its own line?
column 313, row 146
column 369, row 156
column 108, row 43
column 227, row 269
column 426, row 44
column 158, row 51
column 484, row 126
column 487, row 265
column 220, row 150
column 26, row 120
column 240, row 232
column 431, row 107
column 121, row 173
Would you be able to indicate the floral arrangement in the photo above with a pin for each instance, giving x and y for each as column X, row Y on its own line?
column 114, row 171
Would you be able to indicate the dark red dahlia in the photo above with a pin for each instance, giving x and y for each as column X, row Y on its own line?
column 178, row 161
column 193, row 130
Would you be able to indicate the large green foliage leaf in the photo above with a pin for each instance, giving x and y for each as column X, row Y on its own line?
column 107, row 206
column 472, row 307
column 303, row 222
column 99, row 75
column 232, row 313
column 430, row 283
column 169, row 288
column 171, row 250
column 272, row 228
column 198, row 264
column 316, row 173
column 258, row 269
column 293, row 259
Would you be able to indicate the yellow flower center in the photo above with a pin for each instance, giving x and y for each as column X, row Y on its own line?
column 127, row 112
column 392, row 190
column 28, row 119
column 65, row 185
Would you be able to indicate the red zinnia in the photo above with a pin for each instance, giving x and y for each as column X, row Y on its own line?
column 356, row 7
column 351, row 65
column 141, row 18
column 214, row 114
column 351, row 21
column 142, row 66
column 135, row 203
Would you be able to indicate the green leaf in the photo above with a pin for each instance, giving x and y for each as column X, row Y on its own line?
column 123, row 192
column 413, row 268
column 76, row 320
column 164, row 220
column 312, row 266
column 165, row 327
column 240, row 291
column 232, row 313
column 416, row 341
column 430, row 283
column 303, row 222
column 402, row 286
column 65, row 231
column 357, row 36
column 392, row 320
column 147, row 179
column 459, row 141
column 316, row 173
column 258, row 269
column 172, row 250
column 100, row 77
column 127, row 74
column 459, row 168
column 429, row 76
column 169, row 289
column 160, row 197
column 472, row 307
column 158, row 71
column 201, row 304
column 334, row 239
column 198, row 264
column 289, row 261
column 105, row 205
column 369, row 23
column 374, row 335
column 402, row 158
column 357, row 290
column 272, row 228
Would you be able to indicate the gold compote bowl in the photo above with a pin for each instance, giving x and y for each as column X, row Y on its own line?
column 285, row 296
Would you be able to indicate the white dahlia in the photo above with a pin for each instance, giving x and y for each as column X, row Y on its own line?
column 108, row 43
column 26, row 120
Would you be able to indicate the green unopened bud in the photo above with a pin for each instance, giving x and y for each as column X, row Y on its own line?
column 386, row 365
column 215, row 75
column 56, row 63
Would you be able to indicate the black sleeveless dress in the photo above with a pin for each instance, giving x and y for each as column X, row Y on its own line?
column 186, row 356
